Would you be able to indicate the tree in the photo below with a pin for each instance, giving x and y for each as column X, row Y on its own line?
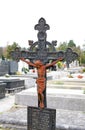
column 63, row 46
column 83, row 58
column 11, row 48
column 71, row 44
column 1, row 52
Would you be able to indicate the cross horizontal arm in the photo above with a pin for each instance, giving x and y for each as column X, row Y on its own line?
column 56, row 55
column 16, row 55
column 44, row 57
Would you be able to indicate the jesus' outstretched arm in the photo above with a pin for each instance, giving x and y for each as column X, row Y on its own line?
column 28, row 62
column 54, row 62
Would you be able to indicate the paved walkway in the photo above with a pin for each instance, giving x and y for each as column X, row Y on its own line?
column 6, row 103
column 65, row 120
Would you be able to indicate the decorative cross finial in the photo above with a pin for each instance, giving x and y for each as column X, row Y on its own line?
column 42, row 26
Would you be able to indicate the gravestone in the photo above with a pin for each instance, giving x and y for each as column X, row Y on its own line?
column 41, row 119
column 13, row 67
column 2, row 89
column 8, row 67
column 4, row 67
column 42, row 55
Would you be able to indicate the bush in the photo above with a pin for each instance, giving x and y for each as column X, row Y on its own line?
column 59, row 64
column 25, row 70
column 83, row 70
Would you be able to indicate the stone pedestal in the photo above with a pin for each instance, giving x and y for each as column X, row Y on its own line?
column 41, row 119
column 13, row 84
column 55, row 99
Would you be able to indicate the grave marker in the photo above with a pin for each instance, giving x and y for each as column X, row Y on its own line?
column 42, row 55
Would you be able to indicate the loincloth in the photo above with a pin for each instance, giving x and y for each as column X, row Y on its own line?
column 41, row 84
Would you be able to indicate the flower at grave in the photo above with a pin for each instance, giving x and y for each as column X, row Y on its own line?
column 59, row 64
column 33, row 71
column 7, row 75
column 47, row 70
column 18, row 73
column 80, row 76
column 70, row 76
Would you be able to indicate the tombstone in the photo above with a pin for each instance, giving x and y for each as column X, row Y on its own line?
column 13, row 67
column 2, row 89
column 42, row 55
column 4, row 67
column 8, row 67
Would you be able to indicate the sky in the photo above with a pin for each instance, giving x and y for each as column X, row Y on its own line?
column 18, row 18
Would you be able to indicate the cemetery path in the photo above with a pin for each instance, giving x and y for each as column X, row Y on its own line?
column 65, row 119
column 6, row 103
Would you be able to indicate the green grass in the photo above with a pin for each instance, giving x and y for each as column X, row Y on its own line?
column 56, row 82
column 84, row 91
column 1, row 127
column 4, row 129
column 1, row 112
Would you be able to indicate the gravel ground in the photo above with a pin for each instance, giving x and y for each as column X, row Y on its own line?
column 68, row 120
column 7, row 102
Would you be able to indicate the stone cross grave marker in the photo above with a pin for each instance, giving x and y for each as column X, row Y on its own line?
column 42, row 55
column 41, row 50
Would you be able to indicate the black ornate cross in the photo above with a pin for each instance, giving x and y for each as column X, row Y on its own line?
column 40, row 50
column 70, row 56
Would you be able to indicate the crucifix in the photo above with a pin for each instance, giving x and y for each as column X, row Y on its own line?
column 41, row 55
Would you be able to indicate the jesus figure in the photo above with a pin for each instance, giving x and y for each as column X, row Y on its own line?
column 41, row 80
